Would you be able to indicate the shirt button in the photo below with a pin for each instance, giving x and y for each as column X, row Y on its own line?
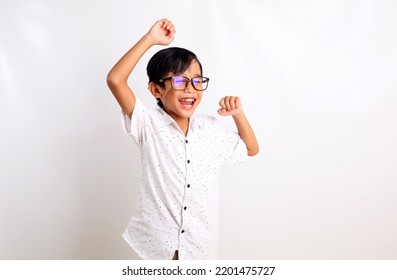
column 184, row 208
column 188, row 185
column 187, row 141
column 183, row 231
column 188, row 161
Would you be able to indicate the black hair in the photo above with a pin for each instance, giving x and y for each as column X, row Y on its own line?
column 175, row 60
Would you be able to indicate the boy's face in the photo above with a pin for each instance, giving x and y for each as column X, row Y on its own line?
column 180, row 104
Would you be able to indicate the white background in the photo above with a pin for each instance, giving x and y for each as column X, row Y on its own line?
column 318, row 83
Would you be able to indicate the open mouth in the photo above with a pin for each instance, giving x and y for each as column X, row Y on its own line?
column 187, row 102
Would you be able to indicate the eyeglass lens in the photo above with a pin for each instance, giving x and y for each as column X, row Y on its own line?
column 181, row 83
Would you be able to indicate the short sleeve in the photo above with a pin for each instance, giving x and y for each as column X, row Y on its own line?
column 134, row 127
column 228, row 144
column 235, row 149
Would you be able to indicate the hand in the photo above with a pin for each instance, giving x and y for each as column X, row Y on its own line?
column 230, row 106
column 162, row 32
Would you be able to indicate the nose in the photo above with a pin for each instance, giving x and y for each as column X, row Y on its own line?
column 189, row 87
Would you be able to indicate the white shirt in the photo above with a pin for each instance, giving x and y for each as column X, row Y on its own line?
column 178, row 204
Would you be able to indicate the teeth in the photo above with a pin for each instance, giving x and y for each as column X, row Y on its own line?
column 188, row 99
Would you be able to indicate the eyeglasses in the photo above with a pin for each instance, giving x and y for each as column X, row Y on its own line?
column 181, row 82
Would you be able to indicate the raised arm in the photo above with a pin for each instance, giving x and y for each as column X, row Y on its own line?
column 231, row 106
column 161, row 33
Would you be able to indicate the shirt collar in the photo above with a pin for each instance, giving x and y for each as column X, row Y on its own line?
column 194, row 121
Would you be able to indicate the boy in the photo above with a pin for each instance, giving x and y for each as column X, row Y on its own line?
column 176, row 216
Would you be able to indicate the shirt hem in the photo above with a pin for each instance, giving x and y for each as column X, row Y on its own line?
column 126, row 239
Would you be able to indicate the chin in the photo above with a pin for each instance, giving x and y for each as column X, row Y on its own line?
column 187, row 114
column 182, row 111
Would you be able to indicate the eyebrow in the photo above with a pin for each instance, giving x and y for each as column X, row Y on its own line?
column 182, row 75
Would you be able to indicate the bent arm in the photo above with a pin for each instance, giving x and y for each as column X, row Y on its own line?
column 246, row 133
column 231, row 106
column 118, row 76
column 161, row 33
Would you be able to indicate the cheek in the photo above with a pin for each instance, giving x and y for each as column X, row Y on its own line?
column 199, row 97
column 169, row 96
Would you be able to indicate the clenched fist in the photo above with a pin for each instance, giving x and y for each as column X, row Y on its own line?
column 230, row 106
column 162, row 32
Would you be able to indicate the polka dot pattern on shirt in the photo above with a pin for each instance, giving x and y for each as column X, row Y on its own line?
column 178, row 204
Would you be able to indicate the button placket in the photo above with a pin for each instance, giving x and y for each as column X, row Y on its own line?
column 185, row 219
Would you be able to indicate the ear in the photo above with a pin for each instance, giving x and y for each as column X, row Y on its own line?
column 155, row 90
